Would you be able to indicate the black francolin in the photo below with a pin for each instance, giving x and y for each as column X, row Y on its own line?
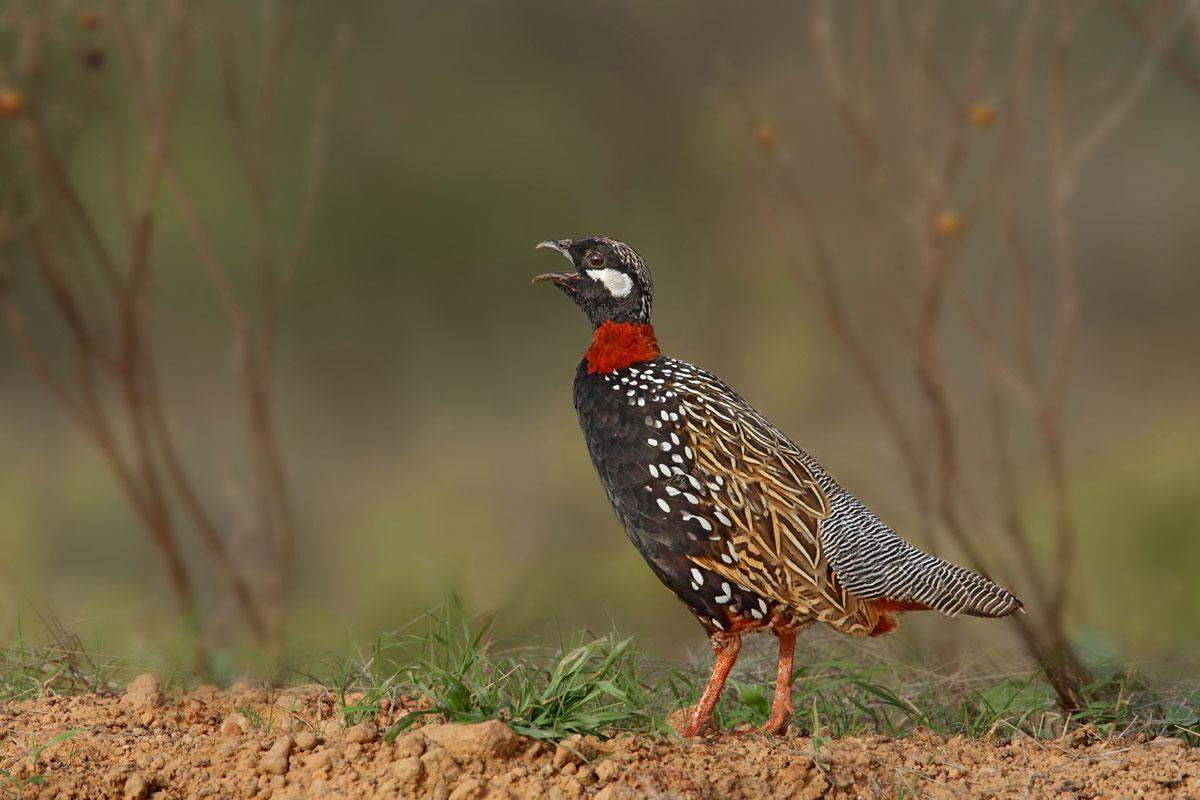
column 744, row 526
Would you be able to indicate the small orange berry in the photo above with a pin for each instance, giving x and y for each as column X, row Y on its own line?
column 983, row 115
column 948, row 223
column 89, row 19
column 11, row 103
column 764, row 137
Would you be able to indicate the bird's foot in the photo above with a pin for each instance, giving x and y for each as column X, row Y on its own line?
column 688, row 722
column 777, row 723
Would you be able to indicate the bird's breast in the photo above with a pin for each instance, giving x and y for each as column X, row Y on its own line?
column 620, row 412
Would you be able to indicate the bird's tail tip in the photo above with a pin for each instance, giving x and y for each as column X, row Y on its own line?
column 1010, row 604
column 996, row 602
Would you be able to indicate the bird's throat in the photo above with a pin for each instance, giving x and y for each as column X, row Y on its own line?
column 616, row 345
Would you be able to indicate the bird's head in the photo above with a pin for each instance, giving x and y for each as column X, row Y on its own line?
column 608, row 280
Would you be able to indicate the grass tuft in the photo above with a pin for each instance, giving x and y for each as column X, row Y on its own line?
column 587, row 685
column 60, row 666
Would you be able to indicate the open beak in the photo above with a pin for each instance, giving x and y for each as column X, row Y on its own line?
column 564, row 280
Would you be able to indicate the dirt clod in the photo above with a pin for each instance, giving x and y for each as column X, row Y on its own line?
column 362, row 733
column 408, row 771
column 467, row 790
column 235, row 725
column 318, row 761
column 245, row 693
column 144, row 692
column 581, row 748
column 136, row 787
column 483, row 740
column 606, row 770
column 616, row 792
column 1166, row 741
column 411, row 744
column 332, row 728
column 275, row 760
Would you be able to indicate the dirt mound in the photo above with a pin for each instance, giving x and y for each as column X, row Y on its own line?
column 248, row 742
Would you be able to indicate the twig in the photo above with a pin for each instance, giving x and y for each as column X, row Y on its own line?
column 316, row 158
column 1133, row 92
column 1178, row 65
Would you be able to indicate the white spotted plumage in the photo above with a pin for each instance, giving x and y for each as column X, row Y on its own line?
column 819, row 543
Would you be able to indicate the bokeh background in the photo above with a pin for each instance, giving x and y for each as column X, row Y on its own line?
column 422, row 385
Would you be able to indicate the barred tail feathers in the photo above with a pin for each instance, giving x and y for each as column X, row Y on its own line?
column 873, row 563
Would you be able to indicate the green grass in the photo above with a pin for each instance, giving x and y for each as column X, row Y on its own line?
column 59, row 665
column 458, row 670
column 602, row 685
column 584, row 685
column 16, row 785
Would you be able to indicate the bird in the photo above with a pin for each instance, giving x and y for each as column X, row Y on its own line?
column 739, row 522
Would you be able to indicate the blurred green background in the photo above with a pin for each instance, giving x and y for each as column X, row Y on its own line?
column 423, row 386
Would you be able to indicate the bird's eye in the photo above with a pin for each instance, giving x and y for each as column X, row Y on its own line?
column 595, row 258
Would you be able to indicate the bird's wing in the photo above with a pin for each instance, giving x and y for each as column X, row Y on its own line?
column 767, row 504
column 795, row 536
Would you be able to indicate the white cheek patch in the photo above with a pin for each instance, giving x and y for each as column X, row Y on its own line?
column 618, row 283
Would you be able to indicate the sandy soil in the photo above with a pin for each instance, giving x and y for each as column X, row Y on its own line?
column 248, row 742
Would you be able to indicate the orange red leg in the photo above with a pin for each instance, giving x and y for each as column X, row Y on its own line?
column 781, row 705
column 726, row 645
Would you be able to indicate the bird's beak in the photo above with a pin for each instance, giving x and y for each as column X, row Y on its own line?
column 564, row 280
column 560, row 245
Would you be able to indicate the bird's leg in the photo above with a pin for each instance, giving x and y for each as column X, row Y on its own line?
column 726, row 646
column 781, row 705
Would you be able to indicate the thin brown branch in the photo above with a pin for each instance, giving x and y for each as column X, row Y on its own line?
column 195, row 509
column 276, row 496
column 274, row 493
column 206, row 252
column 989, row 343
column 135, row 373
column 139, row 487
column 52, row 168
column 131, row 427
column 932, row 381
column 255, row 352
column 824, row 41
column 833, row 307
column 18, row 326
column 856, row 120
column 1120, row 109
column 1067, row 305
column 316, row 158
column 162, row 102
column 1014, row 524
column 273, row 486
column 251, row 164
column 132, row 42
column 1178, row 65
column 938, row 274
column 155, row 163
